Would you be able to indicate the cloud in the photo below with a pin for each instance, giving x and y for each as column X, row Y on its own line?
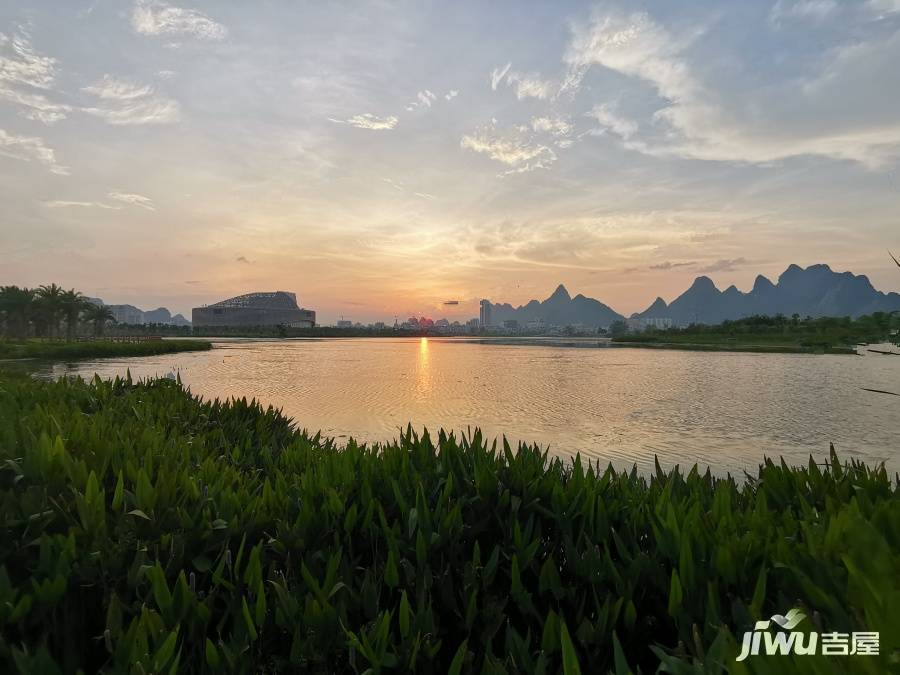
column 28, row 149
column 530, row 86
column 557, row 126
column 882, row 8
column 527, row 86
column 426, row 98
column 513, row 148
column 610, row 120
column 423, row 99
column 814, row 10
column 133, row 200
column 368, row 121
column 497, row 75
column 668, row 265
column 844, row 111
column 63, row 204
column 154, row 17
column 26, row 76
column 125, row 103
column 725, row 265
column 242, row 259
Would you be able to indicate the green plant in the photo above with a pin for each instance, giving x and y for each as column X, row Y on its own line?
column 144, row 530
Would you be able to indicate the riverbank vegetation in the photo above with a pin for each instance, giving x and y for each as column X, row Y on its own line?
column 143, row 530
column 42, row 312
column 52, row 323
column 102, row 348
column 775, row 333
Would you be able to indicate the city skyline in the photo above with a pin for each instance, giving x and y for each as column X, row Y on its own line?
column 380, row 159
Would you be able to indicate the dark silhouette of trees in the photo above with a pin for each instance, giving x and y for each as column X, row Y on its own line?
column 50, row 302
column 72, row 303
column 17, row 308
column 98, row 316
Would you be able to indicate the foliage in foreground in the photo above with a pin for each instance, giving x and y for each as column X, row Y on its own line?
column 97, row 349
column 142, row 530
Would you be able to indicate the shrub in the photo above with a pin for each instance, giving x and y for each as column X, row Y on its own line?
column 144, row 530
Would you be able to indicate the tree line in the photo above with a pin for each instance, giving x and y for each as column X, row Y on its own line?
column 50, row 312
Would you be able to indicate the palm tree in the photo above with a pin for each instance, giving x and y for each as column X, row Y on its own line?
column 99, row 315
column 50, row 305
column 71, row 305
column 16, row 308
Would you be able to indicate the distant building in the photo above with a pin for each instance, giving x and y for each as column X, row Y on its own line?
column 378, row 325
column 274, row 308
column 345, row 323
column 486, row 314
column 511, row 324
column 473, row 325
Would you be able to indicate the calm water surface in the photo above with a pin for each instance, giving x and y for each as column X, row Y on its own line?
column 621, row 405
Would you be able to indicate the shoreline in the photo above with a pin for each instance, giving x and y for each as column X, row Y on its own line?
column 744, row 348
column 23, row 351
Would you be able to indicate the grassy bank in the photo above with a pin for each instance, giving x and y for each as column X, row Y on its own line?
column 729, row 346
column 779, row 334
column 142, row 530
column 35, row 349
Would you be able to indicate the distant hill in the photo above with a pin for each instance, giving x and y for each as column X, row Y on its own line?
column 560, row 309
column 814, row 291
column 132, row 315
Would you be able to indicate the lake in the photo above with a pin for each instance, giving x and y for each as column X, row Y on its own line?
column 619, row 405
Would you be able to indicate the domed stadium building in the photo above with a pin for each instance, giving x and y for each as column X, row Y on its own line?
column 274, row 308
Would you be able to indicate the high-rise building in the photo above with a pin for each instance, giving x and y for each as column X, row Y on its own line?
column 485, row 315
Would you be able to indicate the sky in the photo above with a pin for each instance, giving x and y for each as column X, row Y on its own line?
column 381, row 158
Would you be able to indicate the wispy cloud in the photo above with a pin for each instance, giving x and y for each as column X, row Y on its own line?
column 814, row 10
column 30, row 149
column 751, row 124
column 26, row 77
column 123, row 102
column 154, row 17
column 557, row 126
column 427, row 98
column 242, row 259
column 514, row 147
column 668, row 265
column 497, row 75
column 611, row 120
column 368, row 121
column 132, row 199
column 725, row 265
column 526, row 86
column 64, row 204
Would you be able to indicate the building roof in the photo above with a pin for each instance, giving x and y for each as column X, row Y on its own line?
column 262, row 300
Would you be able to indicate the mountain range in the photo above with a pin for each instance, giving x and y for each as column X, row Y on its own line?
column 814, row 291
column 560, row 308
column 129, row 314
